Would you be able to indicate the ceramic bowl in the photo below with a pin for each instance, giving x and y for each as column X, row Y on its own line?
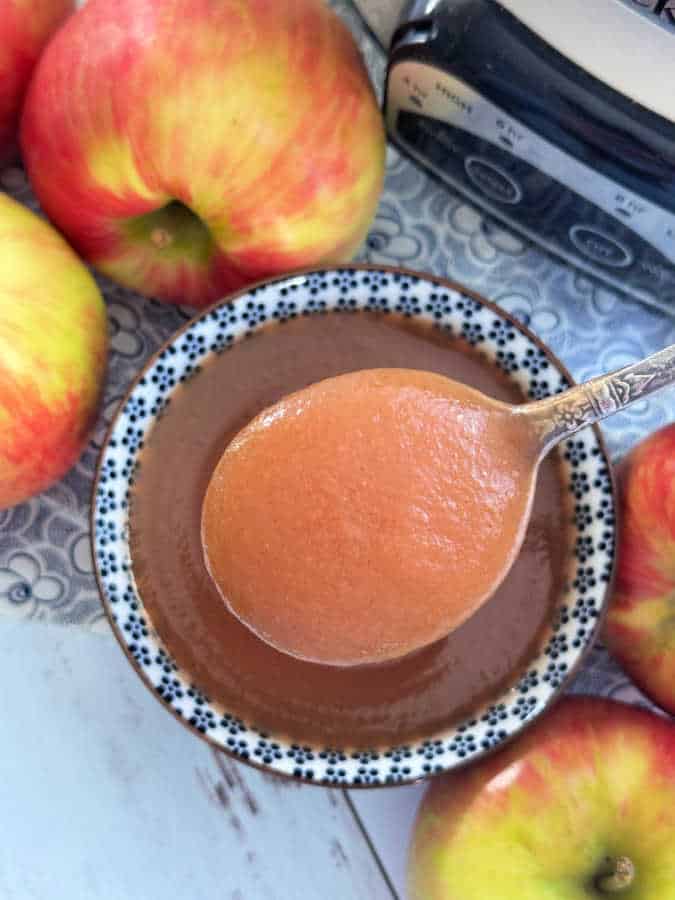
column 503, row 342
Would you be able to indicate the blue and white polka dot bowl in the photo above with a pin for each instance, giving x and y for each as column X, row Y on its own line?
column 503, row 342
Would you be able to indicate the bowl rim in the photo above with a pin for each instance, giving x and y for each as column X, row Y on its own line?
column 402, row 271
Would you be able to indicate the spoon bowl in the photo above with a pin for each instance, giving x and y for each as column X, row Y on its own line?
column 368, row 515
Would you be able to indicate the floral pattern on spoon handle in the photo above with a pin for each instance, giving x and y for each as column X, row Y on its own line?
column 559, row 416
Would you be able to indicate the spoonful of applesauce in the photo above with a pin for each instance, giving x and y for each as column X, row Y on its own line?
column 370, row 514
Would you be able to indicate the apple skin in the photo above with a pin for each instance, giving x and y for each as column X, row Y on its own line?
column 53, row 350
column 640, row 623
column 25, row 27
column 189, row 147
column 592, row 779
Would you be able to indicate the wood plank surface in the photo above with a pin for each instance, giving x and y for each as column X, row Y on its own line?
column 388, row 816
column 104, row 796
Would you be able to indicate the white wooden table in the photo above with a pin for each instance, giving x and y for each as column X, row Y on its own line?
column 103, row 796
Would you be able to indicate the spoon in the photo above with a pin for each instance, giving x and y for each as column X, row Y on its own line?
column 370, row 514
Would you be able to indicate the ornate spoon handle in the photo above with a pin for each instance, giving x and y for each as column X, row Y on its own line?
column 557, row 417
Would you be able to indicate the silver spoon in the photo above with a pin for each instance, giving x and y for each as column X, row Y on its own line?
column 442, row 532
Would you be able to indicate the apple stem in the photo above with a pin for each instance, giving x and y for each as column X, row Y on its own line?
column 617, row 876
column 161, row 238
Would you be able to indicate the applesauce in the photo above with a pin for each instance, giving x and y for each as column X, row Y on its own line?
column 368, row 515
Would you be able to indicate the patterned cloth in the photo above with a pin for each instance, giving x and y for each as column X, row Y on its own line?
column 46, row 568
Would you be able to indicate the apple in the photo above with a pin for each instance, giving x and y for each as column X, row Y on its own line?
column 640, row 623
column 53, row 349
column 580, row 806
column 25, row 27
column 189, row 147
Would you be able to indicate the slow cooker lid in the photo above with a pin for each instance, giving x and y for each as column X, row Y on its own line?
column 627, row 44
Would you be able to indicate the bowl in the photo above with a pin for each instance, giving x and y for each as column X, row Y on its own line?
column 503, row 342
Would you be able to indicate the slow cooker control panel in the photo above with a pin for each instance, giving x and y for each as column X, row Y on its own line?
column 520, row 177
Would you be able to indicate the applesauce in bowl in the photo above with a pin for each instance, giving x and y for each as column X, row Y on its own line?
column 382, row 723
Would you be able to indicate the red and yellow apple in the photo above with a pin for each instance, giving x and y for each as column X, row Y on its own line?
column 581, row 806
column 25, row 27
column 640, row 623
column 189, row 147
column 53, row 350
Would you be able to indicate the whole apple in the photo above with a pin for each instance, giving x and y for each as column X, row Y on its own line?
column 640, row 624
column 582, row 805
column 189, row 147
column 25, row 26
column 53, row 349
